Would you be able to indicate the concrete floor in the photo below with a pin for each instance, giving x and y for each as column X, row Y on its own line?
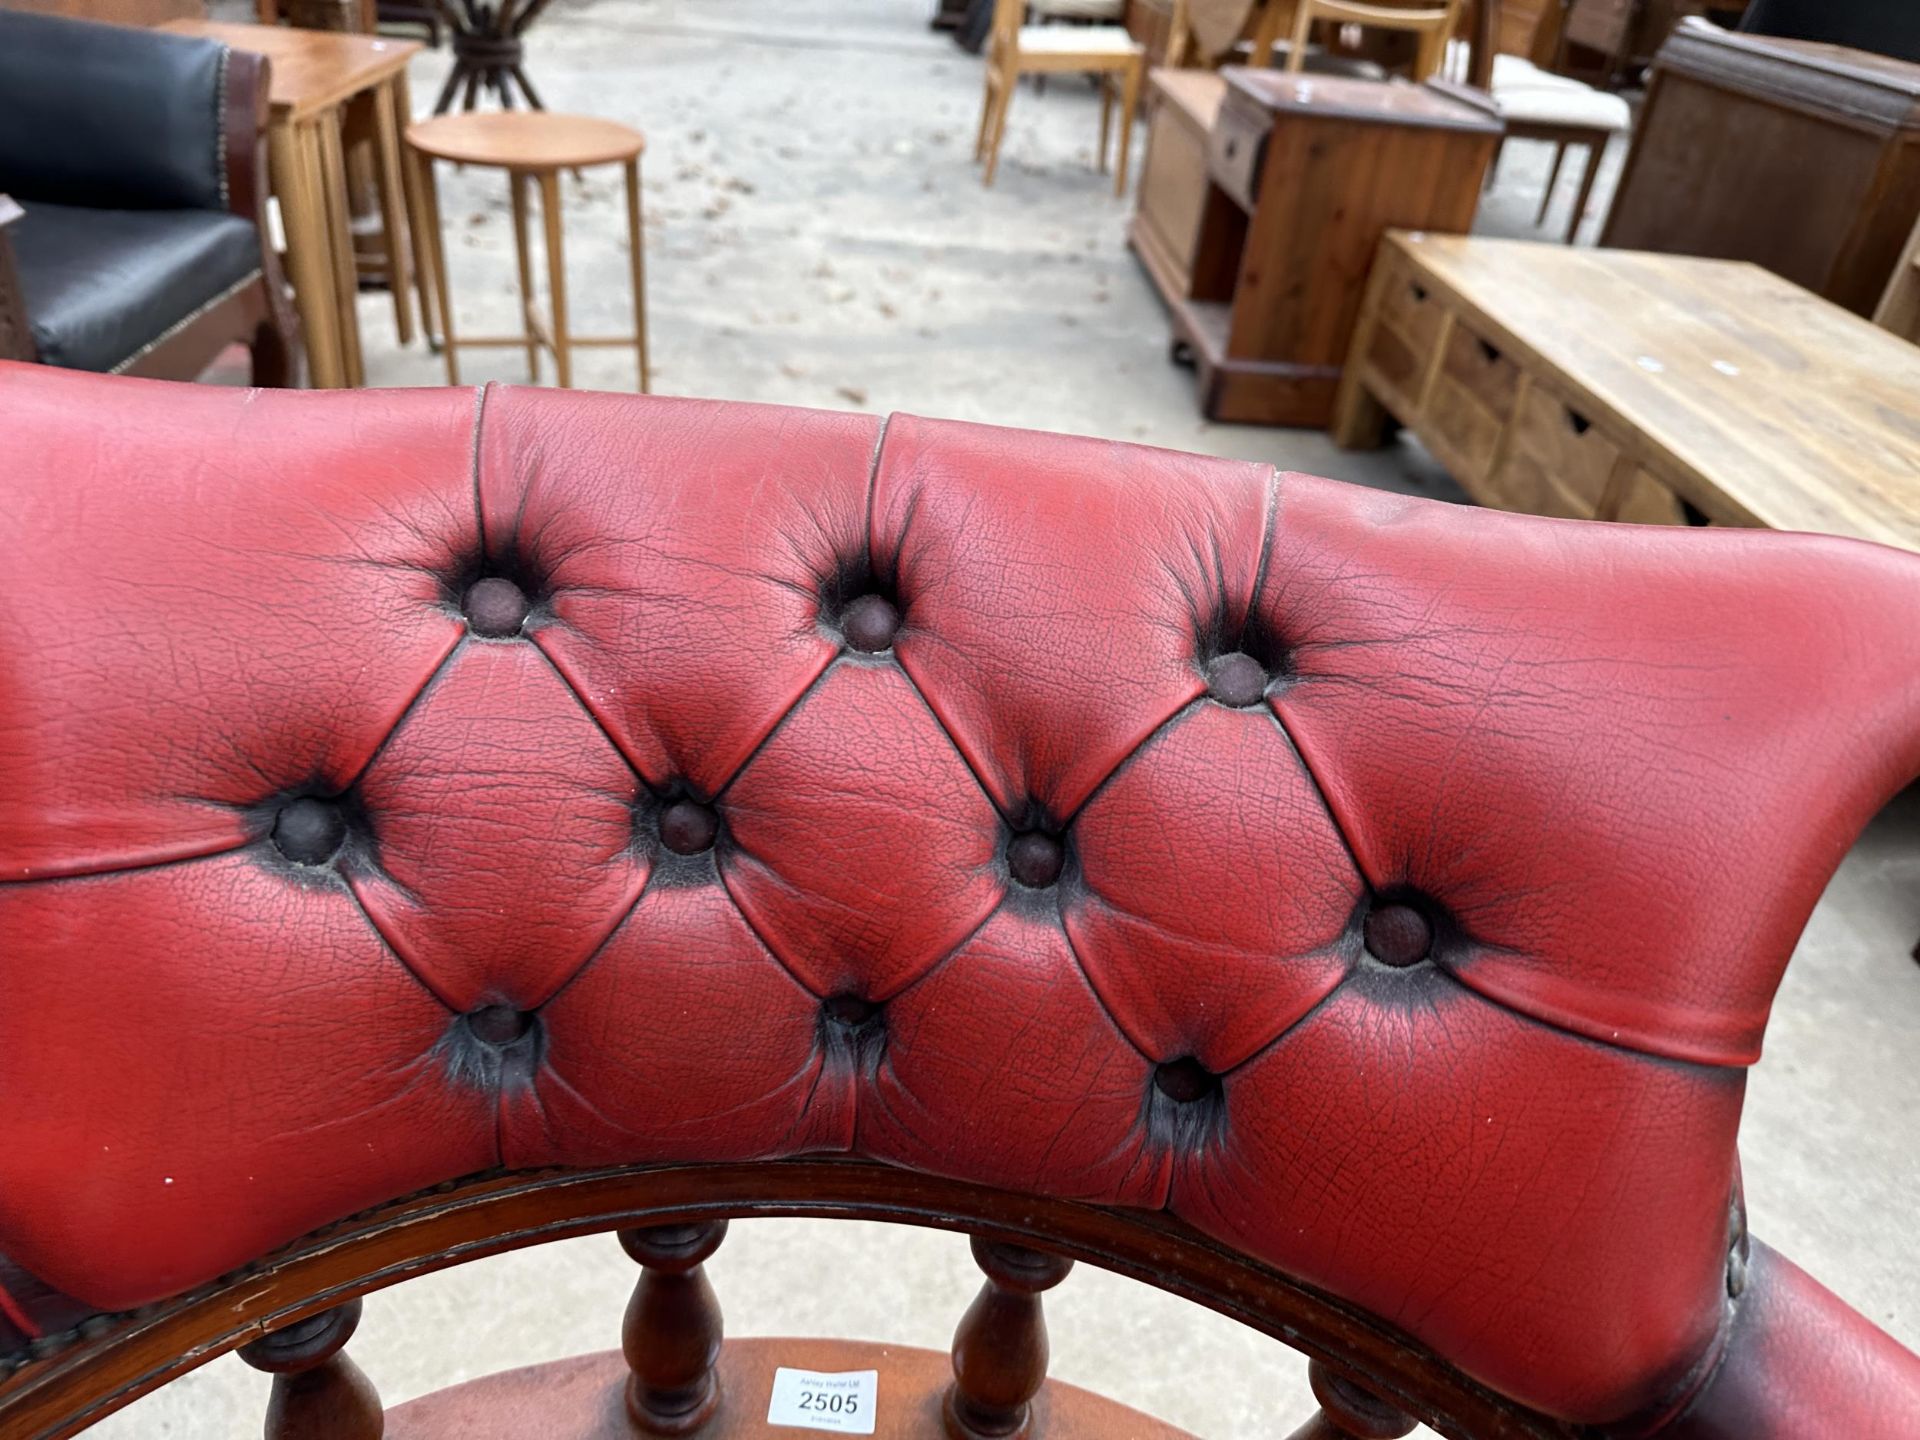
column 816, row 235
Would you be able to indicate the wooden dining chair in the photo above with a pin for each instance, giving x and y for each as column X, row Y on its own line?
column 1015, row 48
column 1432, row 23
column 434, row 822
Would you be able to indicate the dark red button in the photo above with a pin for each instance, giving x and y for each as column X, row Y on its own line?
column 308, row 831
column 687, row 827
column 870, row 623
column 1398, row 934
column 1237, row 679
column 1035, row 859
column 495, row 608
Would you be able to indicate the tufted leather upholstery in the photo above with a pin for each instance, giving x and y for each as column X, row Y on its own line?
column 402, row 784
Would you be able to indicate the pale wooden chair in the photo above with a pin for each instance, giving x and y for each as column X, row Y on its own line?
column 1433, row 21
column 1015, row 48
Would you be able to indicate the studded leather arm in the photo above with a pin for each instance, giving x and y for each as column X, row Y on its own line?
column 396, row 786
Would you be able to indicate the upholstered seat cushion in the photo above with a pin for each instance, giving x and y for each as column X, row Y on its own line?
column 1076, row 40
column 101, row 285
column 1079, row 9
column 1529, row 95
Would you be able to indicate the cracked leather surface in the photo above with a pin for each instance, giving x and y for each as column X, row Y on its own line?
column 326, row 876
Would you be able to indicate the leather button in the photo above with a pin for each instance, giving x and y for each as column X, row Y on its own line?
column 1035, row 859
column 849, row 1010
column 1185, row 1080
column 1237, row 679
column 869, row 623
column 499, row 1025
column 308, row 831
column 1398, row 934
column 495, row 608
column 687, row 827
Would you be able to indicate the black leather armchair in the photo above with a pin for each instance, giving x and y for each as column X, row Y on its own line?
column 137, row 163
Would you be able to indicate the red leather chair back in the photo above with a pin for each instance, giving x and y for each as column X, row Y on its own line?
column 398, row 786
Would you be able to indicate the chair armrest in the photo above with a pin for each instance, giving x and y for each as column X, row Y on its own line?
column 1799, row 1363
column 16, row 337
column 109, row 116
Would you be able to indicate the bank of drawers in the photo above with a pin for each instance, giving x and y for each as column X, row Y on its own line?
column 1512, row 439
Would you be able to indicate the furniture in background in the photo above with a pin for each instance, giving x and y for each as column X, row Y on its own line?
column 1615, row 385
column 1262, row 265
column 488, row 39
column 315, row 75
column 1801, row 156
column 1899, row 308
column 772, row 820
column 1151, row 23
column 114, row 12
column 134, row 239
column 1536, row 104
column 1885, row 27
column 1103, row 12
column 1015, row 48
column 1431, row 22
column 361, row 125
column 533, row 147
column 1616, row 38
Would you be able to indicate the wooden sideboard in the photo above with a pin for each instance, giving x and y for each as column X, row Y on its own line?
column 1802, row 157
column 1261, row 201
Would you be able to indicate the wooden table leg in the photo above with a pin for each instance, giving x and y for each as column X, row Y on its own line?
column 425, row 188
column 303, row 209
column 637, row 242
column 400, row 97
column 393, row 208
column 556, row 277
column 333, row 179
column 517, row 182
column 1359, row 420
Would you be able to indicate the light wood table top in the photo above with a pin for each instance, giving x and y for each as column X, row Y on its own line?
column 525, row 139
column 1766, row 404
column 313, row 70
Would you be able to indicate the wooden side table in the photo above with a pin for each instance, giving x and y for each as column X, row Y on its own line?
column 314, row 75
column 531, row 145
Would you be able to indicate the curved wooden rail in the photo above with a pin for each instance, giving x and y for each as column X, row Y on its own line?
column 110, row 1363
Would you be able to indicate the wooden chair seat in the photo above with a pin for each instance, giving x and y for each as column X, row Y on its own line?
column 1015, row 49
column 582, row 1398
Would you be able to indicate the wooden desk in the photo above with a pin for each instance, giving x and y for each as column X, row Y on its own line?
column 314, row 74
column 1618, row 385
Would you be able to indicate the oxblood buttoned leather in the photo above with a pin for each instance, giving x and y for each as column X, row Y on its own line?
column 399, row 785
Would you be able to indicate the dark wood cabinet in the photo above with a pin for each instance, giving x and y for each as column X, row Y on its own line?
column 1262, row 254
column 1800, row 156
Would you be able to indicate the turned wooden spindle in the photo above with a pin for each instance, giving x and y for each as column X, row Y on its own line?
column 1000, row 1349
column 1347, row 1412
column 318, row 1393
column 672, row 1331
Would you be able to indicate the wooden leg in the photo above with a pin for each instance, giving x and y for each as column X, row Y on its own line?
column 637, row 243
column 986, row 120
column 316, row 1390
column 1129, row 104
column 556, row 277
column 673, row 1330
column 1000, row 1349
column 517, row 182
column 1553, row 179
column 1359, row 420
column 401, row 101
column 1587, row 177
column 296, row 180
column 333, row 176
column 424, row 186
column 1106, row 121
column 997, row 127
column 393, row 209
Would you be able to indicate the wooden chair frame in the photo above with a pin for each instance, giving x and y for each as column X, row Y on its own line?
column 1006, row 63
column 1433, row 24
column 113, row 1361
column 256, row 313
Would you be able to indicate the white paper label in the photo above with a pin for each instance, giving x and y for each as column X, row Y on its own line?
column 813, row 1400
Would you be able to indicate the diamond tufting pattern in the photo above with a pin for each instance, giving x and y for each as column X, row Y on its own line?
column 399, row 785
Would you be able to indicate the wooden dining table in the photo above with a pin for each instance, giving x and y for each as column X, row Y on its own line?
column 314, row 75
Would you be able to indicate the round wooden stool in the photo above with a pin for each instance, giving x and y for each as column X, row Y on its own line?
column 532, row 145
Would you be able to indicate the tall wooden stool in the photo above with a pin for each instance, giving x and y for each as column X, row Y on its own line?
column 531, row 145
